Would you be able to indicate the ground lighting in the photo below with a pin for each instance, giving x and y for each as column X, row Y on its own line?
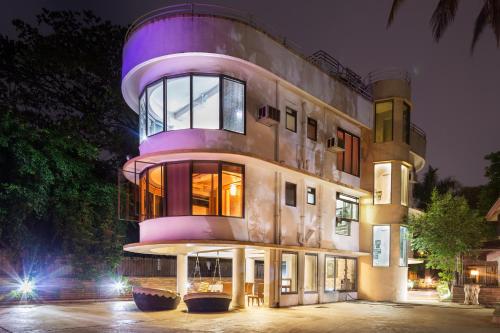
column 26, row 286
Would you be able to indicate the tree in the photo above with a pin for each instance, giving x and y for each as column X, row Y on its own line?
column 447, row 229
column 64, row 129
column 491, row 191
column 422, row 191
column 445, row 12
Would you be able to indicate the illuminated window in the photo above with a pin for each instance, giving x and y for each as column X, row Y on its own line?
column 204, row 183
column 290, row 194
column 288, row 273
column 347, row 211
column 291, row 120
column 155, row 195
column 350, row 274
column 348, row 160
column 329, row 273
column 155, row 108
column 205, row 102
column 178, row 103
column 233, row 105
column 310, row 273
column 405, row 178
column 383, row 121
column 403, row 246
column 143, row 190
column 142, row 118
column 312, row 129
column 381, row 245
column 382, row 182
column 232, row 190
column 406, row 123
column 311, row 195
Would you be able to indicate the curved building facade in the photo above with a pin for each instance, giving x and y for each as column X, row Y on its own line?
column 250, row 151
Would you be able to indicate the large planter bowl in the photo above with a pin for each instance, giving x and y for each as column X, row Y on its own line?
column 207, row 302
column 149, row 299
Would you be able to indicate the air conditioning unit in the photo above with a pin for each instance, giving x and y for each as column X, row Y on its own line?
column 269, row 116
column 335, row 145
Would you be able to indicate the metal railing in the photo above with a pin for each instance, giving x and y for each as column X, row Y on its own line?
column 388, row 74
column 321, row 59
column 418, row 140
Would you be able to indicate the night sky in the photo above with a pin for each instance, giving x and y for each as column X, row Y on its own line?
column 455, row 94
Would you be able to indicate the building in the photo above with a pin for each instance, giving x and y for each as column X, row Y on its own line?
column 251, row 151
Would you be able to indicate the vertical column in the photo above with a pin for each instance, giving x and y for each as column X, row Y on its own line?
column 182, row 274
column 238, row 278
column 271, row 298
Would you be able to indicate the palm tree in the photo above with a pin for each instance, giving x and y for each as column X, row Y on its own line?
column 445, row 12
column 422, row 191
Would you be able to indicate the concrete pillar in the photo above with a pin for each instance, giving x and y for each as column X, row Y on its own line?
column 182, row 274
column 238, row 278
column 271, row 287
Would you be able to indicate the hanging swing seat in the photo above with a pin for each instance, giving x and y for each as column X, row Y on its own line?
column 149, row 299
column 207, row 302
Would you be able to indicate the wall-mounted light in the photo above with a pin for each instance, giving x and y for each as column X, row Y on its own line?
column 233, row 190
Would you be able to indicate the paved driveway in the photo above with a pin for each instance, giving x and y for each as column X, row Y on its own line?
column 123, row 316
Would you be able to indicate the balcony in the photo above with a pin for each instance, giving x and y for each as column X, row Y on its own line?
column 418, row 145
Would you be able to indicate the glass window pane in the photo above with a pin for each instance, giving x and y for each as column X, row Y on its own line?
column 142, row 118
column 155, row 108
column 233, row 113
column 340, row 282
column 382, row 184
column 232, row 190
column 405, row 177
column 155, row 192
column 406, row 123
column 329, row 273
column 312, row 127
column 342, row 227
column 348, row 153
column 143, row 190
column 311, row 273
column 288, row 273
column 178, row 190
column 205, row 181
column 403, row 246
column 381, row 245
column 206, row 102
column 311, row 195
column 355, row 156
column 291, row 120
column 383, row 121
column 350, row 281
column 340, row 155
column 178, row 103
column 290, row 194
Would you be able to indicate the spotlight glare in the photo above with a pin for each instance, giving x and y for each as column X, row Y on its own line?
column 26, row 286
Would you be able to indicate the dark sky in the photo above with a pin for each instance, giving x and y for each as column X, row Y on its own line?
column 455, row 94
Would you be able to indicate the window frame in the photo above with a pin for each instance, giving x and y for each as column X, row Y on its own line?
column 338, row 219
column 220, row 163
column 295, row 194
column 296, row 254
column 407, row 243
column 293, row 113
column 335, row 259
column 317, row 272
column 406, row 125
column 390, row 184
column 313, row 193
column 358, row 171
column 373, row 243
column 221, row 78
column 375, row 120
column 315, row 122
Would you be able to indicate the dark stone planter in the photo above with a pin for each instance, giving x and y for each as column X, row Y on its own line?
column 148, row 299
column 207, row 302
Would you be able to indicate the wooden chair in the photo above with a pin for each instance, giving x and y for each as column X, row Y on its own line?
column 260, row 292
column 250, row 293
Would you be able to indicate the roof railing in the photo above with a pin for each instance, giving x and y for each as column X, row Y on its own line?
column 388, row 74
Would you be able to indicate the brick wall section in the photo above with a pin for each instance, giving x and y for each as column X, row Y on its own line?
column 487, row 296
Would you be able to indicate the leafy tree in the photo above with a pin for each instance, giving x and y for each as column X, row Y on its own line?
column 491, row 191
column 445, row 12
column 422, row 191
column 447, row 229
column 64, row 129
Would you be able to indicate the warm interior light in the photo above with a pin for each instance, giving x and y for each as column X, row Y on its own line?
column 474, row 272
column 233, row 190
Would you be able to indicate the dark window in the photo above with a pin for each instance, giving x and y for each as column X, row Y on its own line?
column 291, row 120
column 290, row 194
column 312, row 129
column 348, row 160
column 406, row 123
column 311, row 195
column 383, row 121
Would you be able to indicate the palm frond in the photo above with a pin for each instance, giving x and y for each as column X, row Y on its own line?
column 442, row 16
column 489, row 15
column 394, row 8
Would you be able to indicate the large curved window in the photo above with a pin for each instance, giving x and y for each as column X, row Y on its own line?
column 211, row 188
column 192, row 101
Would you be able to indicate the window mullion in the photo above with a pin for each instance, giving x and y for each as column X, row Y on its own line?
column 219, row 190
column 191, row 101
